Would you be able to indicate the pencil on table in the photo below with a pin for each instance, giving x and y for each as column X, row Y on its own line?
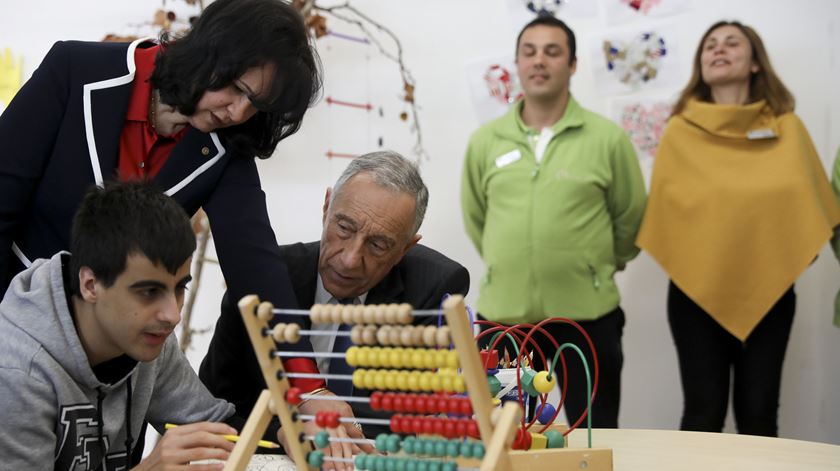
column 235, row 438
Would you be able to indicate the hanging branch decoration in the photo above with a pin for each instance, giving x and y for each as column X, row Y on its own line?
column 364, row 106
column 313, row 14
column 344, row 155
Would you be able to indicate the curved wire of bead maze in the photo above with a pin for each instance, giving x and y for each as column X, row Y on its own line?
column 497, row 427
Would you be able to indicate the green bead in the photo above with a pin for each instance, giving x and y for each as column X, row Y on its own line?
column 393, row 443
column 466, row 449
column 495, row 385
column 381, row 442
column 422, row 465
column 408, row 445
column 555, row 439
column 478, row 450
column 381, row 464
column 315, row 459
column 450, row 466
column 429, row 447
column 410, row 464
column 361, row 461
column 434, row 465
column 440, row 447
column 453, row 448
column 322, row 439
column 401, row 464
column 390, row 464
column 527, row 381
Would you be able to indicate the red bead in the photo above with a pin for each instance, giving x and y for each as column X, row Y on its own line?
column 439, row 425
column 449, row 429
column 472, row 429
column 461, row 427
column 332, row 419
column 421, row 404
column 453, row 406
column 319, row 419
column 293, row 396
column 376, row 400
column 412, row 424
column 489, row 359
column 399, row 404
column 396, row 424
column 428, row 425
column 410, row 402
column 441, row 406
column 465, row 406
column 388, row 401
column 522, row 440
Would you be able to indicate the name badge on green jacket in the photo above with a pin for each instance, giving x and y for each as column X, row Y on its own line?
column 508, row 158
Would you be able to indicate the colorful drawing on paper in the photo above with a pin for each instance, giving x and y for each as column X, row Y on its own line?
column 502, row 84
column 641, row 6
column 494, row 86
column 644, row 122
column 544, row 6
column 620, row 12
column 637, row 61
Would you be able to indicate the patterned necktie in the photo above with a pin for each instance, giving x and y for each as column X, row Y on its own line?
column 339, row 366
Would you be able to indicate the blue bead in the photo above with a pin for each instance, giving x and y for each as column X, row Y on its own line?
column 547, row 413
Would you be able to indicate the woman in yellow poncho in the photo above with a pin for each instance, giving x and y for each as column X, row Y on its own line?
column 739, row 207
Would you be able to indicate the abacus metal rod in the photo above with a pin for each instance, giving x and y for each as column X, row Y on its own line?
column 351, row 420
column 345, row 440
column 306, row 312
column 319, row 376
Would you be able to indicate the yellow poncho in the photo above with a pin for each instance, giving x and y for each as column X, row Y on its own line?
column 739, row 207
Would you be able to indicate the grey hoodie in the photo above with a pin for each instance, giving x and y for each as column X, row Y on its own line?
column 54, row 412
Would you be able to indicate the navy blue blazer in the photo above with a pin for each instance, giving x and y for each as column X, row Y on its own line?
column 61, row 135
column 230, row 369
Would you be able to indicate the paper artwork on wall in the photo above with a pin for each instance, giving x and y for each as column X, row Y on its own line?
column 636, row 61
column 494, row 86
column 643, row 119
column 521, row 12
column 624, row 11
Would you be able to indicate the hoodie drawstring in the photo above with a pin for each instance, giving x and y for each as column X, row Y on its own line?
column 128, row 438
column 99, row 397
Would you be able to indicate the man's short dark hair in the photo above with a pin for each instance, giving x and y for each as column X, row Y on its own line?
column 547, row 19
column 124, row 219
column 230, row 37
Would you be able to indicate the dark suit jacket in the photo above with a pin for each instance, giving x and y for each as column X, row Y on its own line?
column 230, row 369
column 61, row 135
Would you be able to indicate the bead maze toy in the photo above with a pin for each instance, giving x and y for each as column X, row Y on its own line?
column 444, row 416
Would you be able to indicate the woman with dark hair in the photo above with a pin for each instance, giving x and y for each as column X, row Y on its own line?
column 739, row 207
column 189, row 115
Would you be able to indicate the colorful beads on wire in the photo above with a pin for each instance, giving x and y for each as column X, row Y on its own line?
column 358, row 314
column 411, row 358
column 402, row 380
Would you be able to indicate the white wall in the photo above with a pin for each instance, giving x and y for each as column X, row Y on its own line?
column 439, row 37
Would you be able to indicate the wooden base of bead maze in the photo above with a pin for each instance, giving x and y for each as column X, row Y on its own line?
column 497, row 426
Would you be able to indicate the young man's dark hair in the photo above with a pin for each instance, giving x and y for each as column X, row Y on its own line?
column 127, row 218
column 547, row 19
column 230, row 37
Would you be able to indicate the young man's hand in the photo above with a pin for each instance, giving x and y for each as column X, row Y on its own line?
column 194, row 442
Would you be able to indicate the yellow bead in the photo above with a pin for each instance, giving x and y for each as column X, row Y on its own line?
column 425, row 382
column 396, row 358
column 402, row 381
column 542, row 384
column 352, row 356
column 362, row 356
column 370, row 379
column 437, row 383
column 458, row 384
column 429, row 359
column 417, row 358
column 440, row 358
column 445, row 382
column 496, row 401
column 538, row 441
column 413, row 381
column 359, row 379
column 452, row 360
column 390, row 380
column 378, row 380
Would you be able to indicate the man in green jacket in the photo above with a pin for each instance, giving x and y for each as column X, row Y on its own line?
column 552, row 197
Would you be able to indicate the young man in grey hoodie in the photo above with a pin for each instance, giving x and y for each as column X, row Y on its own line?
column 87, row 353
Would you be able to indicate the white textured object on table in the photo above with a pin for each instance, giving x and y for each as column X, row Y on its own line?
column 264, row 463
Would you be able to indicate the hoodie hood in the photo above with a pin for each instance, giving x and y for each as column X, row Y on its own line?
column 36, row 303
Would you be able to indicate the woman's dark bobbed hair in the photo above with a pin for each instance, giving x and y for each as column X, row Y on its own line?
column 230, row 37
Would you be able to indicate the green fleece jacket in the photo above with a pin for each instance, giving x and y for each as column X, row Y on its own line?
column 553, row 233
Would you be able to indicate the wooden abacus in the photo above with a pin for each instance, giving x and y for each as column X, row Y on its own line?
column 388, row 325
